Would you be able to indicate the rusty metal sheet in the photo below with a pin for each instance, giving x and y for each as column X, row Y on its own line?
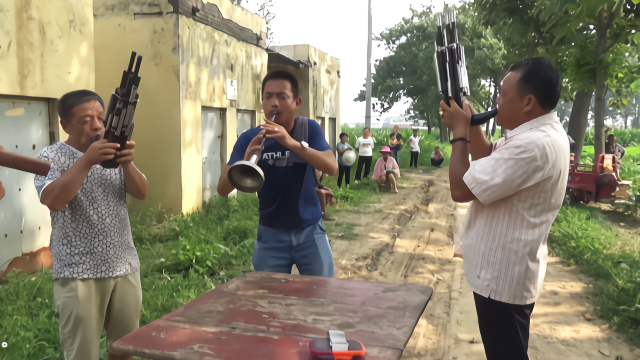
column 272, row 316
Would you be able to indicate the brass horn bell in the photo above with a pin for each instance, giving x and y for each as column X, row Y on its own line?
column 246, row 176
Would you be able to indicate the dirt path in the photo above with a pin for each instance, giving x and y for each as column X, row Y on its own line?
column 409, row 238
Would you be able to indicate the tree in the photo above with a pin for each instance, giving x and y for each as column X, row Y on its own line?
column 410, row 70
column 566, row 32
column 265, row 12
column 605, row 23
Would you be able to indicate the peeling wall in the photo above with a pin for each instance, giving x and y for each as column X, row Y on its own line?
column 46, row 48
column 208, row 59
column 121, row 26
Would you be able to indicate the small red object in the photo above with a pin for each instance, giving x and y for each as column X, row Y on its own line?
column 325, row 350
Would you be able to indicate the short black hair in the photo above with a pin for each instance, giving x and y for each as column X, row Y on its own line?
column 343, row 134
column 70, row 100
column 282, row 75
column 366, row 129
column 539, row 78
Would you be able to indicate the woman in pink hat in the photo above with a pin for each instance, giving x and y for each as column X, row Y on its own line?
column 386, row 171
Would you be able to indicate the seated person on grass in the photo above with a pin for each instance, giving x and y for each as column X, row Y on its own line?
column 386, row 171
column 325, row 195
column 436, row 157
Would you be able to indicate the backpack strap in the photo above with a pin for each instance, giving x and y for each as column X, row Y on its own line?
column 299, row 133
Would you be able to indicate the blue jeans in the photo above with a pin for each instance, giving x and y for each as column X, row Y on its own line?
column 308, row 248
column 394, row 153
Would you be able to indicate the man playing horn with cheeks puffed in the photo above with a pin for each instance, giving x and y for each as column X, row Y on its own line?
column 516, row 188
column 291, row 229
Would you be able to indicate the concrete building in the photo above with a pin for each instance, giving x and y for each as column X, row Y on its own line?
column 202, row 70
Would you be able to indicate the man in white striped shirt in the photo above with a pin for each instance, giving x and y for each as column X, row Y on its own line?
column 516, row 187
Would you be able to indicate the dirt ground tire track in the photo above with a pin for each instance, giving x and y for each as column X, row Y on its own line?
column 406, row 244
column 422, row 252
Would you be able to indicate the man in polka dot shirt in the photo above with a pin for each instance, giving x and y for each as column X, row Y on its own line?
column 96, row 270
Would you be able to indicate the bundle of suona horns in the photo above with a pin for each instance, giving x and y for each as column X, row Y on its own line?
column 122, row 106
column 118, row 124
column 451, row 66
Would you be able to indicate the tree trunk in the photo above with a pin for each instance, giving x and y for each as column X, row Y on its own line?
column 579, row 120
column 442, row 130
column 493, row 105
column 626, row 120
column 636, row 118
column 429, row 124
column 601, row 85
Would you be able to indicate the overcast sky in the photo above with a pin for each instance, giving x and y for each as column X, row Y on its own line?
column 339, row 28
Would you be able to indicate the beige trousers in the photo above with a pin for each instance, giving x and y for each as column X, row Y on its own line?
column 86, row 306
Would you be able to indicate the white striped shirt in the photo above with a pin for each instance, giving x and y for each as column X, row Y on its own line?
column 520, row 188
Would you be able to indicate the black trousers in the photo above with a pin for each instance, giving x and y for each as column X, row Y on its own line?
column 366, row 162
column 504, row 328
column 437, row 162
column 414, row 159
column 342, row 171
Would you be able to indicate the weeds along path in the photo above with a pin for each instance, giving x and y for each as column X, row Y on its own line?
column 408, row 237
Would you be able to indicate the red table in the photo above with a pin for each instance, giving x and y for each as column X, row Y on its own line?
column 269, row 316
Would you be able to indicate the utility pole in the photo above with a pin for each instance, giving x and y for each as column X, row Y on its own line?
column 367, row 119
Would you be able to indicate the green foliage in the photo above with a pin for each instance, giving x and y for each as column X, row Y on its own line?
column 28, row 317
column 583, row 236
column 345, row 194
column 216, row 240
column 410, row 70
column 181, row 258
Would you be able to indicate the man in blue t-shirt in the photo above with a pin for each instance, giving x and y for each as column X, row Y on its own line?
column 291, row 229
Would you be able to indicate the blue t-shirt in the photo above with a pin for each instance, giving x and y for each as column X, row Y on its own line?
column 288, row 198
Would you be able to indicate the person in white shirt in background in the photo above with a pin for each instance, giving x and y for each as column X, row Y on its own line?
column 516, row 188
column 364, row 145
column 415, row 148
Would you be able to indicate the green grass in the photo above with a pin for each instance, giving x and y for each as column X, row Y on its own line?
column 628, row 137
column 583, row 236
column 206, row 247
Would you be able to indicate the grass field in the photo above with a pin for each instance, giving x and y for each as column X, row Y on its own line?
column 583, row 236
column 183, row 257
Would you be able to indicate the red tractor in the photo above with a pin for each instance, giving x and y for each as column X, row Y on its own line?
column 598, row 183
